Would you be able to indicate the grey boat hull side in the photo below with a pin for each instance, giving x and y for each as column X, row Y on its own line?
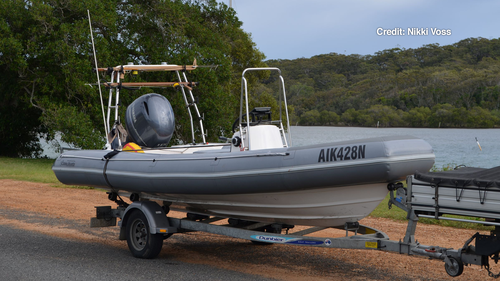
column 352, row 169
column 316, row 207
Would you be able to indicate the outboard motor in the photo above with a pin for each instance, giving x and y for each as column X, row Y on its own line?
column 150, row 120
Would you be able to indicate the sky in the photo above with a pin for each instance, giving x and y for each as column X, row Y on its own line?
column 290, row 29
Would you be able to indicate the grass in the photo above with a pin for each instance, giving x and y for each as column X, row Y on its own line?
column 34, row 170
column 395, row 213
column 447, row 167
column 40, row 170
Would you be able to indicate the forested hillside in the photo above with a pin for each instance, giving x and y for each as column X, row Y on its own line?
column 433, row 86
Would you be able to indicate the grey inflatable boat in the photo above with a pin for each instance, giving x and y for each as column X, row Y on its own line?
column 257, row 175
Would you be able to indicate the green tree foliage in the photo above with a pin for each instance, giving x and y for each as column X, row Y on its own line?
column 328, row 117
column 311, row 117
column 428, row 86
column 418, row 117
column 442, row 115
column 46, row 61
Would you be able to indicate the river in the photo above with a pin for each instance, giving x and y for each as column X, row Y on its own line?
column 452, row 147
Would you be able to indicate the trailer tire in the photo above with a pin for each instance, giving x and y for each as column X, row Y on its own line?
column 141, row 242
column 456, row 269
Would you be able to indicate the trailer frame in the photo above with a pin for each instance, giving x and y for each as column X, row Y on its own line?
column 156, row 226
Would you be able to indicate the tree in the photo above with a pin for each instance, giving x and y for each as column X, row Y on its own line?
column 481, row 118
column 311, row 117
column 328, row 117
column 385, row 116
column 46, row 58
column 460, row 116
column 465, row 74
column 418, row 117
column 350, row 117
column 442, row 116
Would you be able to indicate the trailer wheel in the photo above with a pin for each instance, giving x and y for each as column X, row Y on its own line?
column 456, row 269
column 141, row 242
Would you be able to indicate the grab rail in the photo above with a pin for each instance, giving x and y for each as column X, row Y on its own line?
column 244, row 98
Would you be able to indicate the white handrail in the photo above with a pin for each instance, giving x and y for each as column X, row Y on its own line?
column 244, row 98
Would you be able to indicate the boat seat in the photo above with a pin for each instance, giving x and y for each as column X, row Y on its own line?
column 265, row 137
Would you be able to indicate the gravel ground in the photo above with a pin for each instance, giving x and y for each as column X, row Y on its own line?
column 64, row 213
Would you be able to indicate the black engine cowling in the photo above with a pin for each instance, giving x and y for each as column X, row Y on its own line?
column 150, row 120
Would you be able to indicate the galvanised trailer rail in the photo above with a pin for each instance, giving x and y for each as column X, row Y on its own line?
column 145, row 224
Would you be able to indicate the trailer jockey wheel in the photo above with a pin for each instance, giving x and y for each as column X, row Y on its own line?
column 141, row 242
column 112, row 196
column 456, row 269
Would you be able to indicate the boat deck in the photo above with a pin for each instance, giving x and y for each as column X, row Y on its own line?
column 190, row 149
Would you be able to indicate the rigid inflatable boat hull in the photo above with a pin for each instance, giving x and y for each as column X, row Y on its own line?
column 318, row 207
column 326, row 184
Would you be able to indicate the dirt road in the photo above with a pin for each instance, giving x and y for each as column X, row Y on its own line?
column 66, row 214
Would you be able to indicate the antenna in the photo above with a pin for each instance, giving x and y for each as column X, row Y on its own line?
column 106, row 131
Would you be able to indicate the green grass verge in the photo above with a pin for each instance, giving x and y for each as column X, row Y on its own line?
column 34, row 170
column 40, row 170
column 395, row 213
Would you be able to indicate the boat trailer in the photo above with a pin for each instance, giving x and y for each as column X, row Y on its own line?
column 145, row 224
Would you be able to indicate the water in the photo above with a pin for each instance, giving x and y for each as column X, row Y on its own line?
column 451, row 146
column 51, row 151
